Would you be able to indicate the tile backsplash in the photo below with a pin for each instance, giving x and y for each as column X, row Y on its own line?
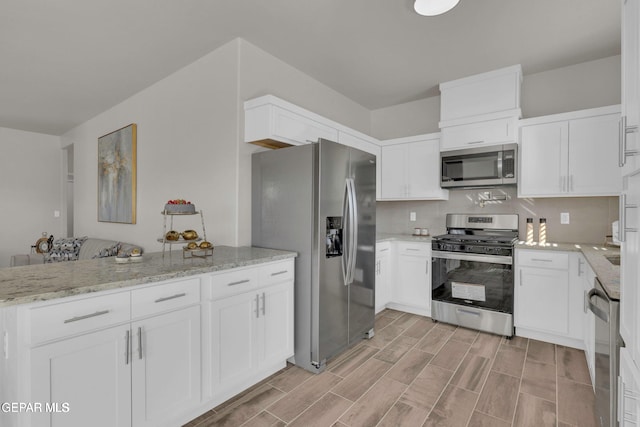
column 590, row 217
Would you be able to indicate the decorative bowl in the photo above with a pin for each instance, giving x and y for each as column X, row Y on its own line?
column 205, row 245
column 189, row 235
column 172, row 235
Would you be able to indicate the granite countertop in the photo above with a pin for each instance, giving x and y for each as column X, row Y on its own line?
column 21, row 285
column 607, row 273
column 388, row 237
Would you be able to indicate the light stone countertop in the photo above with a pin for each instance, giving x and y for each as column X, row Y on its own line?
column 388, row 237
column 607, row 273
column 21, row 285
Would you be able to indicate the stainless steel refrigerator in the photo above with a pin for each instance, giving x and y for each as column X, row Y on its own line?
column 320, row 201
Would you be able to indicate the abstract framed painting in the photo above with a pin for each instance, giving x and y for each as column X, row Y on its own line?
column 117, row 176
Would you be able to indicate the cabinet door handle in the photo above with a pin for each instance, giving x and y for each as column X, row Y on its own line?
column 427, row 266
column 264, row 304
column 520, row 277
column 239, row 282
column 622, row 226
column 623, row 153
column 127, row 346
column 257, row 306
column 280, row 272
column 171, row 297
column 86, row 316
column 139, row 342
column 622, row 141
column 580, row 263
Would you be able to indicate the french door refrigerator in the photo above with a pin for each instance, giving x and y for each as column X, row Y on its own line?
column 320, row 201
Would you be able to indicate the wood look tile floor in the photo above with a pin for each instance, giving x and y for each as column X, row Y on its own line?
column 415, row 372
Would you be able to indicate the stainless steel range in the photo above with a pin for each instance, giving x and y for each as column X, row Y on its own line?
column 472, row 274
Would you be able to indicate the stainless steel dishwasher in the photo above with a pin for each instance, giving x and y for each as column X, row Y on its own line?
column 607, row 343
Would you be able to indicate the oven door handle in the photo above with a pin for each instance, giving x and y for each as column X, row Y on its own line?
column 493, row 259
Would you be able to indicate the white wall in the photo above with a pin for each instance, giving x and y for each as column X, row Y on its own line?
column 31, row 176
column 586, row 85
column 577, row 87
column 412, row 118
column 186, row 148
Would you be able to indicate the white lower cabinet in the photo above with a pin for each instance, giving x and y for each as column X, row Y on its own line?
column 628, row 391
column 156, row 356
column 251, row 326
column 548, row 300
column 144, row 373
column 383, row 275
column 412, row 285
column 165, row 366
column 90, row 373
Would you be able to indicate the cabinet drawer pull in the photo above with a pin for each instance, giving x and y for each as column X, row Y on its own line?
column 171, row 297
column 541, row 259
column 280, row 272
column 86, row 316
column 239, row 282
column 413, row 249
column 475, row 142
column 384, row 250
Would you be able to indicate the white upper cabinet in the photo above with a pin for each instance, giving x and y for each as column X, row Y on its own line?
column 571, row 154
column 274, row 123
column 411, row 169
column 630, row 53
column 480, row 110
column 496, row 91
column 479, row 134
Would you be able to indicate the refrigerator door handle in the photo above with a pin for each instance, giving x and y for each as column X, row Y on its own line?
column 353, row 225
column 345, row 234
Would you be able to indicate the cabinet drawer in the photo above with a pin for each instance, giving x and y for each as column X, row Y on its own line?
column 75, row 317
column 416, row 249
column 276, row 273
column 543, row 259
column 234, row 282
column 165, row 297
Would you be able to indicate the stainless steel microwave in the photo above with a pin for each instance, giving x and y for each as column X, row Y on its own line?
column 479, row 167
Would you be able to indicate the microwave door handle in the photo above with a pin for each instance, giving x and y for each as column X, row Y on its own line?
column 500, row 153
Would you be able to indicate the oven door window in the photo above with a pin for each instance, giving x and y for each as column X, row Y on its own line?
column 470, row 167
column 473, row 283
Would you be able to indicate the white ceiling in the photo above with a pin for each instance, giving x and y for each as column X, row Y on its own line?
column 65, row 61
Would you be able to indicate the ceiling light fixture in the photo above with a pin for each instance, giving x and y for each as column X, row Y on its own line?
column 434, row 7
